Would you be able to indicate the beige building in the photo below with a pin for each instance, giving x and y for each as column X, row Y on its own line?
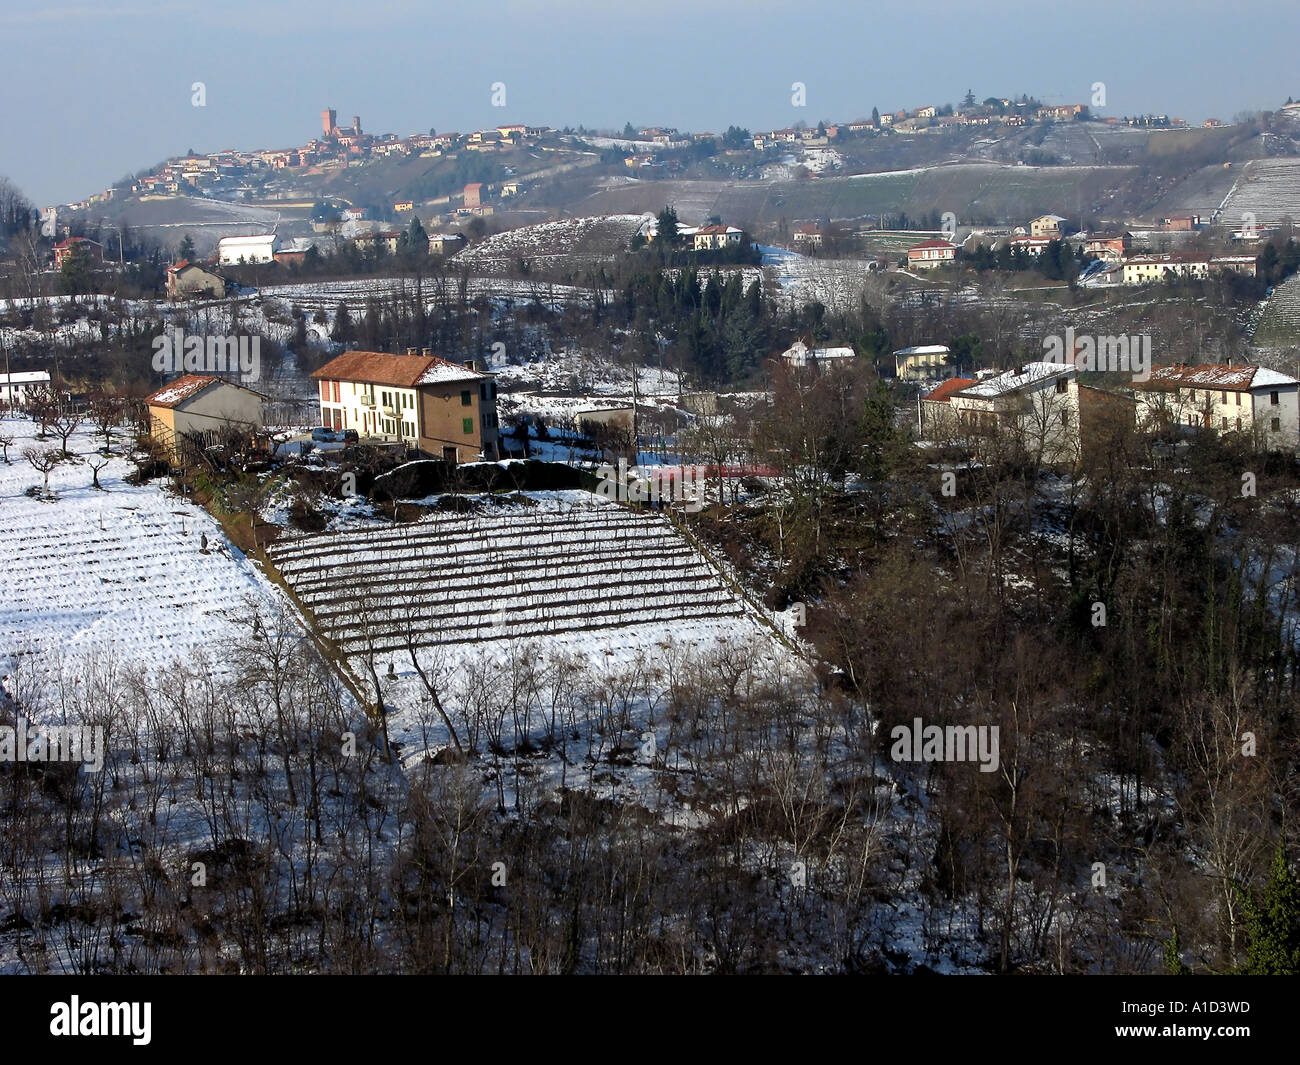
column 927, row 362
column 202, row 409
column 442, row 408
column 1145, row 269
column 187, row 280
column 1046, row 225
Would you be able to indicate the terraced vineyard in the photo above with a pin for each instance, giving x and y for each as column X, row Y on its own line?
column 521, row 572
column 1269, row 190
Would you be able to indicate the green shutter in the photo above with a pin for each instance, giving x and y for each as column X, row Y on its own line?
column 467, row 424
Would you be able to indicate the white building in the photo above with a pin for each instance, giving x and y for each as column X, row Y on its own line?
column 800, row 354
column 1247, row 399
column 1034, row 408
column 16, row 387
column 231, row 251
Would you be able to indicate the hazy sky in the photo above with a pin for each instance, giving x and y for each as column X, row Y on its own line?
column 94, row 90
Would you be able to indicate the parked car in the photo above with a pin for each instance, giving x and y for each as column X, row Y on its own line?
column 350, row 436
column 322, row 434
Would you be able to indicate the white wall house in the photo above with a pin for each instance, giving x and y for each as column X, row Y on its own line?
column 16, row 387
column 1247, row 399
column 800, row 354
column 231, row 251
column 1034, row 409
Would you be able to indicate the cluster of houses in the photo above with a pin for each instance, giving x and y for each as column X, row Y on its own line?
column 1119, row 264
column 438, row 408
column 336, row 146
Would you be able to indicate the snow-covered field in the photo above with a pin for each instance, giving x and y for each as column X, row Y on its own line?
column 118, row 572
column 567, row 574
column 1269, row 190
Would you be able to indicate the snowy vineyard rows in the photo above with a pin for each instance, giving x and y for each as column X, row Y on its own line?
column 465, row 579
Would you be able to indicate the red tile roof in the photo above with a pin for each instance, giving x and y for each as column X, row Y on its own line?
column 945, row 390
column 399, row 371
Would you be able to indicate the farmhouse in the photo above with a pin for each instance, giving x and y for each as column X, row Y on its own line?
column 93, row 252
column 1224, row 398
column 1034, row 408
column 440, row 407
column 926, row 362
column 711, row 237
column 187, row 280
column 204, row 409
column 931, row 253
column 15, row 388
column 1143, row 269
column 800, row 354
column 809, row 235
column 1109, row 246
column 1046, row 225
column 234, row 250
column 446, row 244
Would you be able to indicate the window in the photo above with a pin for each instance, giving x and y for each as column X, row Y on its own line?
column 466, row 398
column 1065, row 418
column 1238, row 425
column 336, row 392
column 325, row 391
column 482, row 393
column 467, row 426
column 1223, row 397
column 1237, row 398
column 1225, row 423
column 1061, row 386
column 1276, row 425
column 1272, row 399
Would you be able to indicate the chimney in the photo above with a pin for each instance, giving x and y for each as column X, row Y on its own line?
column 410, row 351
column 427, row 352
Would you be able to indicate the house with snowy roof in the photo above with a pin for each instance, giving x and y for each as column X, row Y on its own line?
column 1224, row 398
column 16, row 388
column 204, row 409
column 924, row 362
column 1033, row 408
column 801, row 354
column 442, row 408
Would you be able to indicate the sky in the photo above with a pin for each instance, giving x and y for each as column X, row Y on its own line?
column 98, row 89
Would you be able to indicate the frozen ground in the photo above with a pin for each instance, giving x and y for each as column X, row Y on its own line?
column 121, row 572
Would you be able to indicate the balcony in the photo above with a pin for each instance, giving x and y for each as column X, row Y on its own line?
column 366, row 399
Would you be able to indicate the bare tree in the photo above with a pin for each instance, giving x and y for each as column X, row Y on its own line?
column 43, row 459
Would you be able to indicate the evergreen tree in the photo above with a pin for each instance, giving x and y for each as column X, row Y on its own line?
column 343, row 331
column 185, row 252
column 1273, row 923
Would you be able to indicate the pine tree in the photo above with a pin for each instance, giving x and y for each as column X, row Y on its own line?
column 1273, row 923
